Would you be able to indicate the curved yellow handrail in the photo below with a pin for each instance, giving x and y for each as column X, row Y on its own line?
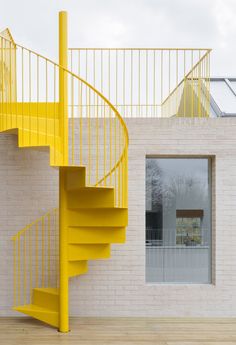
column 97, row 136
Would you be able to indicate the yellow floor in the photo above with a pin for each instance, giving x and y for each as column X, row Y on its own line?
column 117, row 331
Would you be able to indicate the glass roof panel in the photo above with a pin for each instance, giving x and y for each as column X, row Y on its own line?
column 233, row 85
column 223, row 96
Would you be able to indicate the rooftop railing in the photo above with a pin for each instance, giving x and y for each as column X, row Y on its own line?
column 151, row 82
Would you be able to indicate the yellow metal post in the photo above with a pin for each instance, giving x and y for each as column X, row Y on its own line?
column 63, row 109
column 63, row 85
column 63, row 259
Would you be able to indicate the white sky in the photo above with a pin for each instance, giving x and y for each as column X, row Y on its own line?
column 128, row 23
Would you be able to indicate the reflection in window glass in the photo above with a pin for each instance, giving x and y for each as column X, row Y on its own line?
column 178, row 220
column 188, row 231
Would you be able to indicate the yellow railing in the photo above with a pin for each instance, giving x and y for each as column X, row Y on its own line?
column 35, row 257
column 191, row 97
column 138, row 81
column 89, row 133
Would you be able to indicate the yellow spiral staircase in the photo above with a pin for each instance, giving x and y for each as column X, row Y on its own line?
column 48, row 106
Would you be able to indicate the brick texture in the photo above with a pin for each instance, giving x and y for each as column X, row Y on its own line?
column 116, row 287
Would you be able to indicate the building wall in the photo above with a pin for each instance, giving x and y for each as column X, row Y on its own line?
column 28, row 189
column 116, row 287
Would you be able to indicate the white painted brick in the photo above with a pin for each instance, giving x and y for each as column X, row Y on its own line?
column 117, row 287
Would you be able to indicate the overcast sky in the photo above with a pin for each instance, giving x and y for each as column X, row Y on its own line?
column 128, row 23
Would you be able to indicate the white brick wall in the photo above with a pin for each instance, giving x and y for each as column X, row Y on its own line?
column 28, row 189
column 117, row 287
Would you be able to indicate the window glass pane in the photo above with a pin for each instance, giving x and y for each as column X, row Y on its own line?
column 178, row 220
column 223, row 96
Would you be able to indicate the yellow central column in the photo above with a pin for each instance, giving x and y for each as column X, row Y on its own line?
column 63, row 256
column 63, row 85
column 63, row 113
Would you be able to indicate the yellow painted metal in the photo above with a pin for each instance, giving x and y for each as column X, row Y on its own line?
column 63, row 254
column 26, row 248
column 63, row 85
column 43, row 314
column 47, row 298
column 90, row 217
column 155, row 83
column 63, row 111
column 76, row 268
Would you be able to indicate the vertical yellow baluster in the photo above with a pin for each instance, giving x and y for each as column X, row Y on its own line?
column 208, row 59
column 185, row 85
column 49, row 248
column 139, row 85
column 192, row 73
column 101, row 71
column 161, row 81
column 104, row 144
column 30, row 117
column 177, row 79
column 86, row 64
column 81, row 123
column 109, row 74
column 2, row 88
column 110, row 116
column 25, row 276
column 22, row 91
column 97, row 140
column 15, row 80
column 131, row 83
column 89, row 136
column 123, row 171
column 79, row 62
column 10, row 81
column 14, row 272
column 38, row 129
column 199, row 88
column 72, row 114
column 46, row 101
column 5, row 83
column 94, row 73
column 54, row 113
column 36, row 256
column 30, row 261
column 146, row 83
column 119, row 177
column 110, row 143
column 19, row 269
column 153, row 112
column 124, row 61
column 42, row 251
column 115, row 194
column 116, row 91
column 169, row 103
column 56, row 236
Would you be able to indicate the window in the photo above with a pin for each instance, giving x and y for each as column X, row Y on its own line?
column 178, row 220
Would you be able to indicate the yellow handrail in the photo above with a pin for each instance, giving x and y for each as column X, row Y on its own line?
column 191, row 97
column 93, row 120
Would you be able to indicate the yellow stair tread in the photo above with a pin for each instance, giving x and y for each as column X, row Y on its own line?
column 97, row 187
column 97, row 208
column 34, row 307
column 53, row 291
column 43, row 314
